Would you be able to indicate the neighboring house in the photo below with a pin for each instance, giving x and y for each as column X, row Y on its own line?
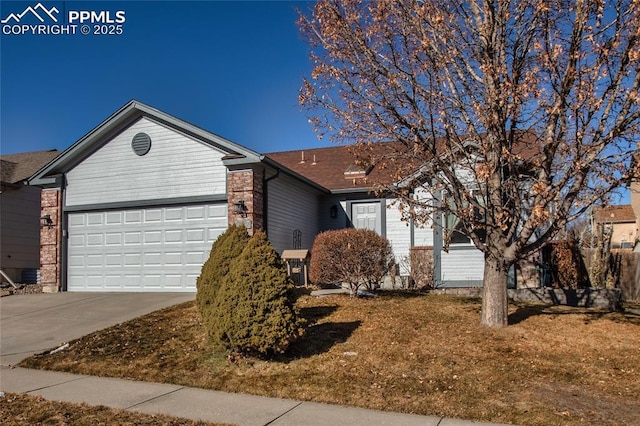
column 20, row 215
column 137, row 202
column 620, row 222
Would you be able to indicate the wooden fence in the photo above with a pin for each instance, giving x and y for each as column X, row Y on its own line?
column 624, row 269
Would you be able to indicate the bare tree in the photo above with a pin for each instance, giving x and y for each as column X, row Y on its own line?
column 523, row 113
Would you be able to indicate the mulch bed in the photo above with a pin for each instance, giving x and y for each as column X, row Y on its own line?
column 9, row 290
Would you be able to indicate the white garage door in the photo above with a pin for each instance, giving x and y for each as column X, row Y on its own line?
column 148, row 249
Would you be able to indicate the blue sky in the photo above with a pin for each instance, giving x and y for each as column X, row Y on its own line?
column 233, row 68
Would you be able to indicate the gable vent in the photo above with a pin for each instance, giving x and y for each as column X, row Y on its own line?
column 141, row 144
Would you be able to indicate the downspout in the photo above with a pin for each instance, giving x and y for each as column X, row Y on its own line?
column 265, row 200
column 64, row 235
column 9, row 280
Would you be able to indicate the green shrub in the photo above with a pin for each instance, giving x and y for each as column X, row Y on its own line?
column 255, row 305
column 227, row 247
column 354, row 256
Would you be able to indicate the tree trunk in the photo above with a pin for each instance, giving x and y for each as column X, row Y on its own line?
column 494, row 294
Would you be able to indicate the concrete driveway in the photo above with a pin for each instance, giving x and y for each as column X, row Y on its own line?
column 33, row 323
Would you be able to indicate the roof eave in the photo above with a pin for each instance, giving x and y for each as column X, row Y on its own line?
column 274, row 164
column 358, row 190
column 115, row 123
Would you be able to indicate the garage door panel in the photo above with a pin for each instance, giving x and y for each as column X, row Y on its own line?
column 95, row 281
column 173, row 236
column 152, row 259
column 155, row 249
column 152, row 281
column 173, row 281
column 133, row 259
column 114, row 218
column 173, row 214
column 113, row 282
column 113, row 239
column 173, row 259
column 113, row 260
column 194, row 258
column 195, row 235
column 94, row 219
column 94, row 261
column 94, row 240
column 133, row 217
column 153, row 237
column 133, row 237
column 215, row 212
column 152, row 216
column 195, row 213
column 76, row 220
column 76, row 260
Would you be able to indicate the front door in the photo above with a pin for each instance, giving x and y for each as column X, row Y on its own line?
column 367, row 216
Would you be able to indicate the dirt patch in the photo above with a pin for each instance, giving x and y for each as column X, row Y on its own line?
column 590, row 407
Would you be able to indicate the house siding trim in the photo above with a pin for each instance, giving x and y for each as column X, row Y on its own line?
column 159, row 202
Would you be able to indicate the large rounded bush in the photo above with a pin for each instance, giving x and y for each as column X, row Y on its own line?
column 255, row 304
column 225, row 249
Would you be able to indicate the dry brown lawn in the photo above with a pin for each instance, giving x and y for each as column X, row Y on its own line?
column 411, row 353
column 21, row 409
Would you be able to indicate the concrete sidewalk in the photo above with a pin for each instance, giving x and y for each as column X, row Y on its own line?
column 200, row 404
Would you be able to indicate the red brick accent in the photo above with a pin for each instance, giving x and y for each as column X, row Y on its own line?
column 247, row 186
column 51, row 239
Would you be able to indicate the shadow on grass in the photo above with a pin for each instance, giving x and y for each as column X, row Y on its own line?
column 524, row 311
column 313, row 314
column 400, row 294
column 319, row 338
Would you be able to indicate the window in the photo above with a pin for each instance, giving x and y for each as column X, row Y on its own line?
column 453, row 232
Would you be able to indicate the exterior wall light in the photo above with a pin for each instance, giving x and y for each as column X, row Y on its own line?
column 333, row 211
column 46, row 221
column 241, row 208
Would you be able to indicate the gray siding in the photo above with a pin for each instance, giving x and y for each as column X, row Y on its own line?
column 176, row 166
column 462, row 266
column 20, row 232
column 291, row 205
column 423, row 234
column 327, row 222
column 399, row 234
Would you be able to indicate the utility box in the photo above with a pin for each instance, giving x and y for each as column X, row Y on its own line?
column 297, row 265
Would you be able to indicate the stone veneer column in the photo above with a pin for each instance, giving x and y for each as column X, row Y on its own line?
column 246, row 185
column 51, row 240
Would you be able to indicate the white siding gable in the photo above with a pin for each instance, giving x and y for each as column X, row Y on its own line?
column 176, row 166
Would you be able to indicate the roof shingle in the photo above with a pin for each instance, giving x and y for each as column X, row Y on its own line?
column 19, row 167
column 614, row 214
